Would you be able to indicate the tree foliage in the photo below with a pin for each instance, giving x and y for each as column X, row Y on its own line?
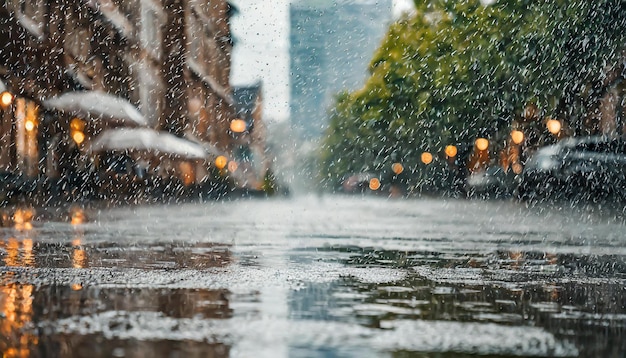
column 456, row 70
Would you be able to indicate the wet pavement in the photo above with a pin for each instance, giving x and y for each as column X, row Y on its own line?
column 315, row 277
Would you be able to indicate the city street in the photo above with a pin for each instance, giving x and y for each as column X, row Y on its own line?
column 329, row 276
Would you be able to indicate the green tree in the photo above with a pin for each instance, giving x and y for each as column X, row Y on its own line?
column 571, row 50
column 457, row 70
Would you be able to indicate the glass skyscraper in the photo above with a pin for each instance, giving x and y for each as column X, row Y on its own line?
column 331, row 44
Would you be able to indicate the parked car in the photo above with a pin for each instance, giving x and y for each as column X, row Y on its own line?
column 357, row 182
column 493, row 182
column 579, row 167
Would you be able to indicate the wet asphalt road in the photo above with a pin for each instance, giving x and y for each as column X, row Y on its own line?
column 315, row 277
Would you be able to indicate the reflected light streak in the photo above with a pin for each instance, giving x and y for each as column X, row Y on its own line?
column 16, row 305
column 19, row 253
column 28, row 258
column 22, row 219
column 79, row 256
column 13, row 253
column 78, row 217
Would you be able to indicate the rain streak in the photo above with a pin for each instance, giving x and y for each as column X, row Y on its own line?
column 312, row 178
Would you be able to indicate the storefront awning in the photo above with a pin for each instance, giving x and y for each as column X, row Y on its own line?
column 147, row 140
column 97, row 105
column 211, row 150
column 112, row 13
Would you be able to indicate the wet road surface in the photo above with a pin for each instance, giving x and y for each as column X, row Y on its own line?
column 315, row 277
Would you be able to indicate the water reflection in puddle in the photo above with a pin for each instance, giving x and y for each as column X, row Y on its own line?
column 70, row 321
column 209, row 281
column 574, row 297
column 24, row 252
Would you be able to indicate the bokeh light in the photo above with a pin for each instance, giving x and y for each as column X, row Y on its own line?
column 238, row 125
column 517, row 136
column 374, row 184
column 427, row 158
column 553, row 125
column 29, row 125
column 397, row 168
column 220, row 162
column 78, row 137
column 482, row 144
column 451, row 151
column 6, row 99
column 232, row 166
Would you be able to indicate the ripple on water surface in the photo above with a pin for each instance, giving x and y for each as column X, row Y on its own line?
column 316, row 277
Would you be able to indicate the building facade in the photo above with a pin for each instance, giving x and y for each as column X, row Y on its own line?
column 250, row 133
column 168, row 58
column 331, row 44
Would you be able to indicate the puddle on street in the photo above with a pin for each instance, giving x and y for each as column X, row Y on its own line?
column 25, row 252
column 31, row 320
column 76, row 291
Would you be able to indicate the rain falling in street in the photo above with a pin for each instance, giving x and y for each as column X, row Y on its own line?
column 312, row 178
column 315, row 276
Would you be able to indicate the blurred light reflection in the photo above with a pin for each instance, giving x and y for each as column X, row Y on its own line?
column 79, row 256
column 19, row 253
column 16, row 305
column 22, row 219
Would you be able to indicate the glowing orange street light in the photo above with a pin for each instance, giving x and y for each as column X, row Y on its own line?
column 517, row 136
column 29, row 125
column 6, row 98
column 220, row 162
column 482, row 144
column 374, row 184
column 451, row 151
column 426, row 158
column 553, row 125
column 77, row 124
column 397, row 168
column 238, row 126
column 78, row 137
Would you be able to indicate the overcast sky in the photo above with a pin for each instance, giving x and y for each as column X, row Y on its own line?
column 261, row 29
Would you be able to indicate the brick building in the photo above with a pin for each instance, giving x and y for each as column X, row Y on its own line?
column 167, row 59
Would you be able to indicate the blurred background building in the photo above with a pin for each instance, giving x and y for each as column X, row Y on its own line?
column 73, row 70
column 331, row 44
